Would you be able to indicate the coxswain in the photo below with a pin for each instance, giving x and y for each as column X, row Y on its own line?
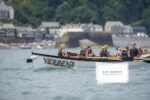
column 133, row 50
column 104, row 52
column 62, row 52
column 89, row 52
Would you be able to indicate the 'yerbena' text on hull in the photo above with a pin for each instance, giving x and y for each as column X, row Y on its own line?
column 60, row 63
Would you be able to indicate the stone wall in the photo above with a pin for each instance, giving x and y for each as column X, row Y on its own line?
column 125, row 41
column 72, row 39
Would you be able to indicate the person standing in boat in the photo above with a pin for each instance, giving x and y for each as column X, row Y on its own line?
column 133, row 50
column 89, row 52
column 104, row 52
column 62, row 52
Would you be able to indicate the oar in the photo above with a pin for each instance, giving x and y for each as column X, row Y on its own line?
column 141, row 58
column 147, row 60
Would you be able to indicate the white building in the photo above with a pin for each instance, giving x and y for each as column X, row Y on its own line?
column 71, row 28
column 6, row 12
column 117, row 29
column 128, row 29
column 25, row 32
column 96, row 28
column 49, row 29
column 110, row 24
column 10, row 31
column 79, row 28
column 2, row 32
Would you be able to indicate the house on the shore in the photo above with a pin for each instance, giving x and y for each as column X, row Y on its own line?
column 2, row 32
column 48, row 29
column 10, row 31
column 68, row 28
column 140, row 31
column 117, row 29
column 79, row 28
column 128, row 30
column 93, row 28
column 25, row 33
column 6, row 12
column 114, row 27
column 137, row 29
column 96, row 28
column 7, row 33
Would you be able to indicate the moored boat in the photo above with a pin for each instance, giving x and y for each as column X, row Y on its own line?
column 25, row 47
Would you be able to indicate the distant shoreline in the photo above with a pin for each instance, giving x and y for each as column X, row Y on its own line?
column 117, row 42
column 4, row 46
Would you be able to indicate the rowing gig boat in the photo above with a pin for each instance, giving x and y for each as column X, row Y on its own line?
column 69, row 62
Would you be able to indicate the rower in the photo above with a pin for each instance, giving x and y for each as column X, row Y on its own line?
column 124, row 53
column 89, row 52
column 133, row 50
column 104, row 52
column 140, row 51
column 83, row 51
column 118, row 53
column 145, row 50
column 62, row 52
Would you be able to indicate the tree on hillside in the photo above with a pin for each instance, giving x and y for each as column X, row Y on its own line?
column 134, row 12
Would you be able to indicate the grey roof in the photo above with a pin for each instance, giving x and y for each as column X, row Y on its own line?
column 97, row 26
column 8, row 26
column 128, row 27
column 24, row 28
column 50, row 24
column 112, row 23
column 73, row 25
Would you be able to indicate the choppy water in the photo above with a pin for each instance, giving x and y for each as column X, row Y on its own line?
column 19, row 81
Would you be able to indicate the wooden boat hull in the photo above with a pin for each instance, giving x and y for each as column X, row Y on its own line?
column 44, row 62
column 65, row 62
column 89, row 59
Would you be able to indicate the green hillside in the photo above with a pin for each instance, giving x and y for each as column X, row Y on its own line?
column 133, row 12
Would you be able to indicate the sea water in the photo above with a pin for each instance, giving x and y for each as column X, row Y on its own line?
column 21, row 81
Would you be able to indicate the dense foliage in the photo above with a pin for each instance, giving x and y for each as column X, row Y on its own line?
column 134, row 12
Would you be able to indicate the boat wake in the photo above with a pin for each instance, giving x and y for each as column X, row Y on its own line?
column 49, row 69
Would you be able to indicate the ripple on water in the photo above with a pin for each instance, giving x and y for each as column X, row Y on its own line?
column 21, row 80
column 11, row 69
column 26, row 93
column 48, row 69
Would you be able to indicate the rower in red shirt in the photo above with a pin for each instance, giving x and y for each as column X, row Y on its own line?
column 140, row 51
column 89, row 52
